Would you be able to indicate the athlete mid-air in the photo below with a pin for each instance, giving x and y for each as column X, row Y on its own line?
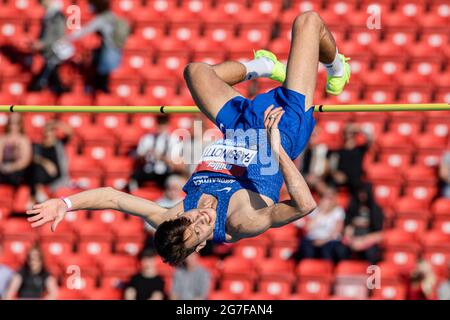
column 234, row 192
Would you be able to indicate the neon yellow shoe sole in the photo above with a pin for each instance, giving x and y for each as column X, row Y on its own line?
column 335, row 85
column 279, row 69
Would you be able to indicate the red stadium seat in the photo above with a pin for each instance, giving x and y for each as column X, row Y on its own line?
column 18, row 229
column 421, row 191
column 8, row 194
column 411, row 205
column 99, row 153
column 275, row 288
column 95, row 238
column 103, row 294
column 437, row 250
column 84, row 165
column 351, row 277
column 276, row 268
column 238, row 266
column 10, row 260
column 68, row 294
column 221, row 295
column 399, row 160
column 112, row 121
column 441, row 208
column 393, row 141
column 108, row 217
column 94, row 135
column 254, row 249
column 196, row 6
column 39, row 99
column 79, row 262
column 420, row 176
column 412, row 223
column 118, row 266
column 315, row 278
column 260, row 296
column 77, row 120
column 239, row 286
column 387, row 194
column 76, row 279
column 390, row 292
column 18, row 248
column 401, row 249
column 382, row 173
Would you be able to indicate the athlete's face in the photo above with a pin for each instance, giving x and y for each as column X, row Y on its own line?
column 201, row 228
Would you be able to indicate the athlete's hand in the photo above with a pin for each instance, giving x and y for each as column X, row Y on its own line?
column 47, row 211
column 272, row 117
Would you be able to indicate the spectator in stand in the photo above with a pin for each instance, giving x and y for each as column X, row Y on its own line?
column 173, row 192
column 314, row 163
column 444, row 287
column 6, row 274
column 155, row 156
column 422, row 283
column 346, row 164
column 147, row 284
column 15, row 152
column 53, row 27
column 33, row 281
column 324, row 227
column 190, row 281
column 444, row 174
column 363, row 225
column 113, row 31
column 50, row 167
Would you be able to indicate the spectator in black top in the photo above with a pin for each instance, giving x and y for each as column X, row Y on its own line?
column 15, row 152
column 363, row 225
column 346, row 164
column 147, row 284
column 33, row 281
column 53, row 27
column 50, row 166
column 114, row 32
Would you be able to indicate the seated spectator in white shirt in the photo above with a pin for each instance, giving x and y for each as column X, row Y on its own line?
column 190, row 281
column 324, row 227
column 6, row 275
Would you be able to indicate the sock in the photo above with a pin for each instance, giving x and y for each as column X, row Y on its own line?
column 336, row 68
column 259, row 68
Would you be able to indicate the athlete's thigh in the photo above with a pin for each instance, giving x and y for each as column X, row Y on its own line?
column 304, row 57
column 209, row 91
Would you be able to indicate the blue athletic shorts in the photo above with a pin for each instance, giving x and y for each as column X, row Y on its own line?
column 295, row 126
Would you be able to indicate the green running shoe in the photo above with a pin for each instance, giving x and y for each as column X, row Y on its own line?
column 335, row 85
column 279, row 69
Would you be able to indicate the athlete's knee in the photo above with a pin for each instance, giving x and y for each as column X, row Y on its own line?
column 307, row 18
column 195, row 69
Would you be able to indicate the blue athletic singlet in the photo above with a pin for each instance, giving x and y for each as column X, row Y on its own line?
column 242, row 159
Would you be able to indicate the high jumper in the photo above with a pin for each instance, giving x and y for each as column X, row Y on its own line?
column 234, row 192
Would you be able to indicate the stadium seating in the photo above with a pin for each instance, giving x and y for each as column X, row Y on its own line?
column 405, row 62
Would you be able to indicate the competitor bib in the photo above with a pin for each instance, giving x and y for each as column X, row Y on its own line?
column 226, row 158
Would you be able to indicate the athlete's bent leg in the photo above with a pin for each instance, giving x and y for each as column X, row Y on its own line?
column 311, row 42
column 210, row 86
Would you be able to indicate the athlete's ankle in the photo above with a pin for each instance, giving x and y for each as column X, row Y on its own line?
column 258, row 68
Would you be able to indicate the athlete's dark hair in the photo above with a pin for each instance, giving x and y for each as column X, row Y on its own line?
column 169, row 241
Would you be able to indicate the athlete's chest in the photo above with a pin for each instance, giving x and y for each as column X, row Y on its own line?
column 243, row 213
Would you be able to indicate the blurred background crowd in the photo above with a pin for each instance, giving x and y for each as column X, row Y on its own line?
column 382, row 180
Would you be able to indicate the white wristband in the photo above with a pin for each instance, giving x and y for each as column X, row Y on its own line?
column 67, row 202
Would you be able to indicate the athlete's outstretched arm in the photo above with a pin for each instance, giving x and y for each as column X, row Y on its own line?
column 302, row 201
column 54, row 210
